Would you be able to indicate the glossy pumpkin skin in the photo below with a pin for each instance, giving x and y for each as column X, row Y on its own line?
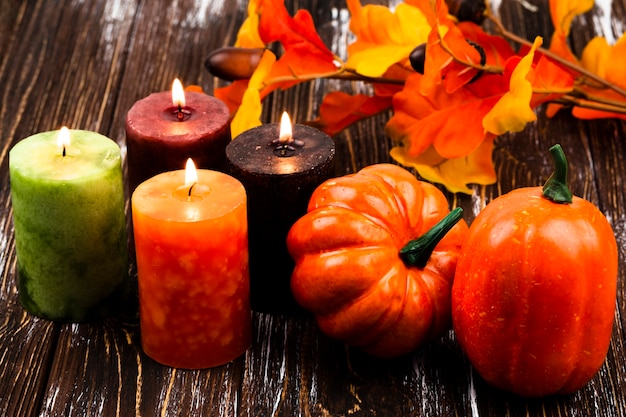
column 348, row 271
column 534, row 293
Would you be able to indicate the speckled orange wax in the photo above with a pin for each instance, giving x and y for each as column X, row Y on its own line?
column 192, row 265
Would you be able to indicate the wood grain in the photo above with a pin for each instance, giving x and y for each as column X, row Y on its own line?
column 84, row 63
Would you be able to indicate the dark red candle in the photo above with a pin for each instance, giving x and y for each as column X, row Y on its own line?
column 163, row 131
column 279, row 177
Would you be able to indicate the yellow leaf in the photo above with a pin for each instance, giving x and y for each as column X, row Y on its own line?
column 249, row 113
column 595, row 55
column 248, row 35
column 563, row 12
column 513, row 111
column 369, row 63
column 455, row 174
column 383, row 37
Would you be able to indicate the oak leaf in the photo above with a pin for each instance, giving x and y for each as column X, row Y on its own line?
column 248, row 35
column 607, row 62
column 440, row 134
column 383, row 37
column 474, row 168
column 447, row 54
column 249, row 113
column 298, row 37
column 513, row 111
column 562, row 12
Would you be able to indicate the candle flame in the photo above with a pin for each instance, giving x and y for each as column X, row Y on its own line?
column 178, row 94
column 191, row 175
column 63, row 139
column 286, row 132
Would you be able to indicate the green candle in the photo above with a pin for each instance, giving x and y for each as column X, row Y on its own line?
column 70, row 229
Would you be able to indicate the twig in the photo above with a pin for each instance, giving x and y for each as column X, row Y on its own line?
column 575, row 101
column 582, row 71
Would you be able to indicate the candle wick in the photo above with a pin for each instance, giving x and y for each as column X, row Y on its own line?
column 64, row 151
column 189, row 192
column 181, row 113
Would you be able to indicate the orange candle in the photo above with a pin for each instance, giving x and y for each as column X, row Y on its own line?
column 191, row 241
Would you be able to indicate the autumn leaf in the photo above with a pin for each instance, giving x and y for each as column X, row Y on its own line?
column 249, row 113
column 232, row 94
column 512, row 112
column 339, row 110
column 497, row 49
column 550, row 81
column 439, row 119
column 447, row 53
column 248, row 35
column 305, row 55
column 562, row 12
column 269, row 21
column 441, row 134
column 607, row 62
column 383, row 37
column 456, row 173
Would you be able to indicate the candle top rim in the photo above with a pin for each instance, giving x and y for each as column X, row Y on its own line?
column 156, row 197
column 154, row 117
column 252, row 151
column 89, row 154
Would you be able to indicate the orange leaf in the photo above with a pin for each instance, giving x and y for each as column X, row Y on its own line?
column 562, row 12
column 232, row 94
column 440, row 67
column 440, row 119
column 248, row 35
column 456, row 173
column 607, row 62
column 249, row 113
column 339, row 110
column 194, row 88
column 550, row 80
column 513, row 110
column 383, row 37
column 497, row 49
column 305, row 52
column 269, row 21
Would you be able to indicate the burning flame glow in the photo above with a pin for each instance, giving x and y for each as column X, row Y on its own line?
column 286, row 132
column 178, row 94
column 191, row 175
column 63, row 140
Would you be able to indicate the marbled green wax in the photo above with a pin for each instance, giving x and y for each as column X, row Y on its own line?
column 70, row 228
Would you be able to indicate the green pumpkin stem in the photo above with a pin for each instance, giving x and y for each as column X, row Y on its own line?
column 417, row 252
column 555, row 189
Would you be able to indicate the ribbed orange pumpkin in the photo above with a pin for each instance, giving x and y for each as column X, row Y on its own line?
column 354, row 268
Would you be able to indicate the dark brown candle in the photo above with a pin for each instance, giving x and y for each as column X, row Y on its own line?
column 162, row 133
column 279, row 177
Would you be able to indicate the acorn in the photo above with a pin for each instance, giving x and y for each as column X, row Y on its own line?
column 231, row 63
column 417, row 57
column 468, row 10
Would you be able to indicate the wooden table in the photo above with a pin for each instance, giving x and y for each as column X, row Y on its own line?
column 83, row 63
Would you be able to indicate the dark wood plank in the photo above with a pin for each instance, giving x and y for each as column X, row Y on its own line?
column 151, row 44
column 88, row 75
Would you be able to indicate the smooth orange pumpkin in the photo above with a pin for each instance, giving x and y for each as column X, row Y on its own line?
column 533, row 298
column 354, row 270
